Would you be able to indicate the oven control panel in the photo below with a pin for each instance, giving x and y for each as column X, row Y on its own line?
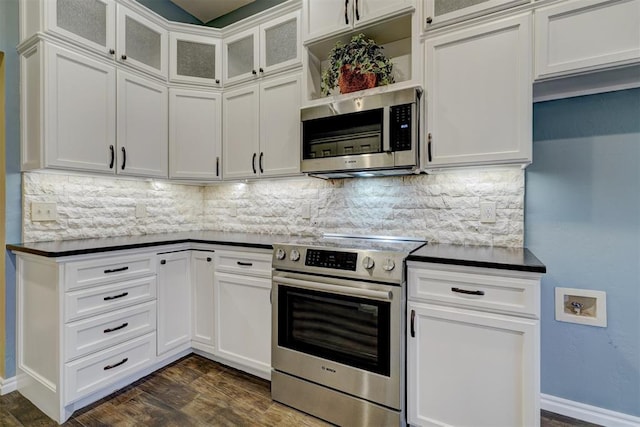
column 331, row 259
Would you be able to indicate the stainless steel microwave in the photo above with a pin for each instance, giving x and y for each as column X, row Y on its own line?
column 373, row 135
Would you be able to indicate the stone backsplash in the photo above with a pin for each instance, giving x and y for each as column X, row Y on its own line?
column 441, row 207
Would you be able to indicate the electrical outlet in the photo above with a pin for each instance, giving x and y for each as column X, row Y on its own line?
column 232, row 209
column 305, row 211
column 141, row 210
column 44, row 211
column 487, row 211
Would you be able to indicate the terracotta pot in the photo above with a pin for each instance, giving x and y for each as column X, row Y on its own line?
column 351, row 80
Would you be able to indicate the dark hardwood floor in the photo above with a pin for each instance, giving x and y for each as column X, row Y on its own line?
column 193, row 391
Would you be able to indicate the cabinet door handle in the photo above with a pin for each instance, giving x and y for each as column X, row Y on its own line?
column 429, row 147
column 113, row 156
column 245, row 264
column 260, row 162
column 217, row 81
column 115, row 365
column 346, row 13
column 116, row 270
column 109, row 298
column 217, row 166
column 429, row 20
column 254, row 72
column 464, row 291
column 163, row 262
column 124, row 57
column 124, row 158
column 124, row 325
column 357, row 12
column 261, row 70
column 413, row 323
column 112, row 51
column 208, row 259
column 253, row 163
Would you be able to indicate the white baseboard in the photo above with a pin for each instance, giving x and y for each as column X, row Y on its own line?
column 588, row 413
column 8, row 385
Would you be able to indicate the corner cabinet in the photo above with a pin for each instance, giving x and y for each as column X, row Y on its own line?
column 195, row 134
column 479, row 94
column 174, row 302
column 195, row 59
column 586, row 35
column 484, row 327
column 202, row 301
column 261, row 129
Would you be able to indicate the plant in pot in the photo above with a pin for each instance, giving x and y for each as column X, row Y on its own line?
column 359, row 64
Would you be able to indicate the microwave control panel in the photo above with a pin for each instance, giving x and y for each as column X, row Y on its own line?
column 401, row 127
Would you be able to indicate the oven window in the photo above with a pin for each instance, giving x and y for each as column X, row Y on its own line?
column 349, row 330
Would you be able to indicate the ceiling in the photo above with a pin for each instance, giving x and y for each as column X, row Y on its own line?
column 207, row 10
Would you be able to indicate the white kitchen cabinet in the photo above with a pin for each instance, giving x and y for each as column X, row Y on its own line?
column 195, row 134
column 112, row 30
column 142, row 129
column 329, row 17
column 585, row 35
column 437, row 12
column 202, row 301
column 174, row 302
column 242, row 307
column 195, row 59
column 473, row 337
column 261, row 129
column 479, row 94
column 86, row 325
column 259, row 51
column 82, row 114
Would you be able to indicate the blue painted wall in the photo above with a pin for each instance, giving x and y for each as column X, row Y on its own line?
column 582, row 219
column 9, row 37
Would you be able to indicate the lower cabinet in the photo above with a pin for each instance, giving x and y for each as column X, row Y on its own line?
column 242, row 308
column 174, row 302
column 467, row 364
column 202, row 302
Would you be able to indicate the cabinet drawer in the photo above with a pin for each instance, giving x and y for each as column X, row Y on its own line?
column 87, row 375
column 88, row 273
column 506, row 294
column 100, row 332
column 91, row 301
column 247, row 263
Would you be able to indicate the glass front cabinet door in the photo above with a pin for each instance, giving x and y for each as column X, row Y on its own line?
column 437, row 12
column 195, row 59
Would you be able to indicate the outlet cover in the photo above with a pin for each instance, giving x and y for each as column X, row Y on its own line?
column 44, row 211
column 488, row 212
column 582, row 306
column 141, row 211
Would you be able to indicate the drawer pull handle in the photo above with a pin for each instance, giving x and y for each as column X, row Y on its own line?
column 245, row 264
column 124, row 325
column 464, row 291
column 116, row 270
column 124, row 294
column 115, row 365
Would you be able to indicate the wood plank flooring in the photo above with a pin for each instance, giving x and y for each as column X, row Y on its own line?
column 193, row 391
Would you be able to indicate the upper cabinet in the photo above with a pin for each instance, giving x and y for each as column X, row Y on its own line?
column 329, row 17
column 259, row 51
column 479, row 94
column 195, row 59
column 102, row 26
column 586, row 35
column 438, row 12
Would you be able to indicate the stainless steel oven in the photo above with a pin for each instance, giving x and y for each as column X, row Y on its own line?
column 338, row 331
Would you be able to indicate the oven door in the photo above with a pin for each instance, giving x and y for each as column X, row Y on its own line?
column 343, row 334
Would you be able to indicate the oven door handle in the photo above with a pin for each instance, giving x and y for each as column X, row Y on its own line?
column 337, row 289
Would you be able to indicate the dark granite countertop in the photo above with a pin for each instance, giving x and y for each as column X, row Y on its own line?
column 61, row 248
column 520, row 259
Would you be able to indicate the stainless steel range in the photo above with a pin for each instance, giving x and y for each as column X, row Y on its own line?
column 338, row 343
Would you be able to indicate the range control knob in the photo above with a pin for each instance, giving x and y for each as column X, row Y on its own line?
column 280, row 253
column 388, row 265
column 368, row 263
column 295, row 255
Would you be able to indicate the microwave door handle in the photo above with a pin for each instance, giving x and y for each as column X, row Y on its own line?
column 386, row 134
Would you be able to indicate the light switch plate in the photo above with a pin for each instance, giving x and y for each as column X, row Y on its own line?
column 41, row 211
column 488, row 212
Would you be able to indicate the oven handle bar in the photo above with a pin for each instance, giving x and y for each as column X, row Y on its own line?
column 336, row 289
